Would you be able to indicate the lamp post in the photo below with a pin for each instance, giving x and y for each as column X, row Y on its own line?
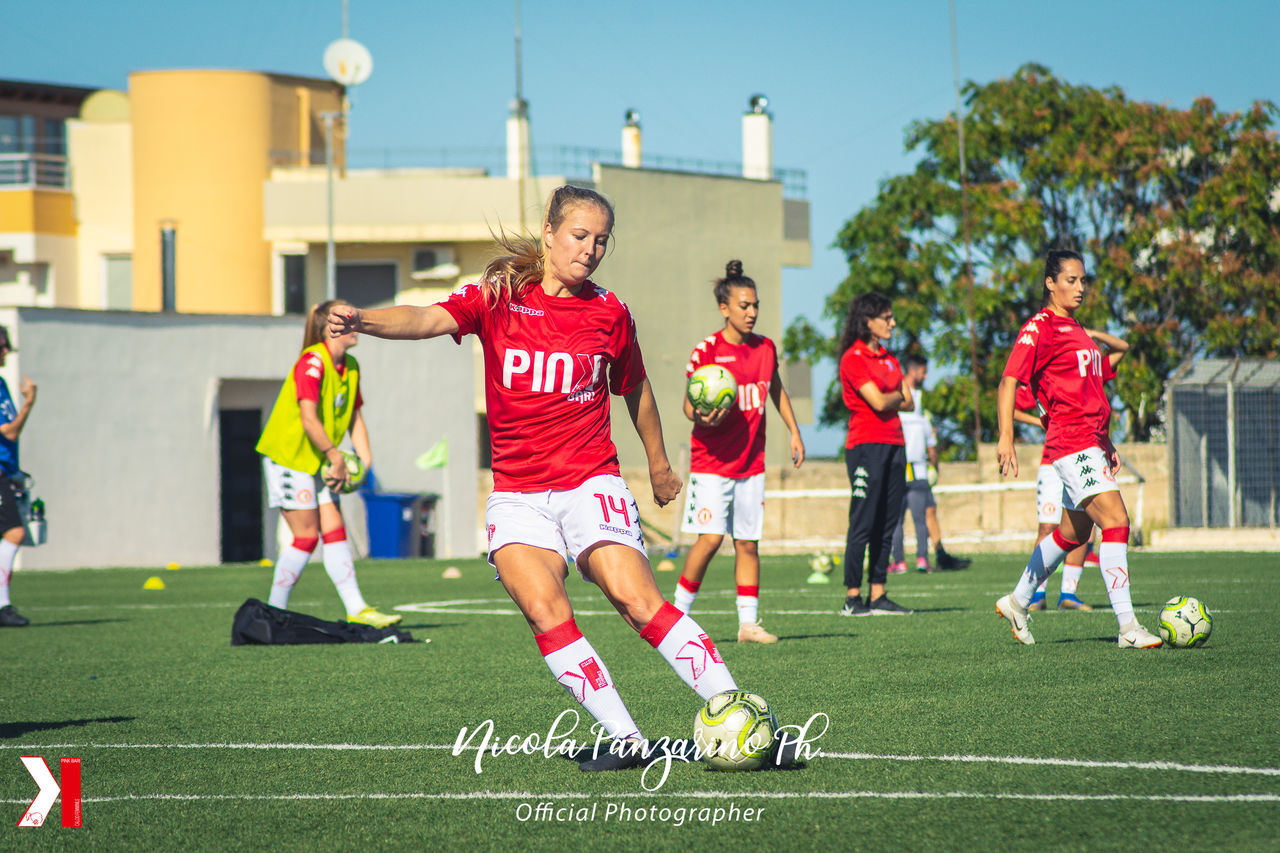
column 330, row 264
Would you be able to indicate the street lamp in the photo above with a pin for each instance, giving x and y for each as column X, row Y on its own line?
column 330, row 264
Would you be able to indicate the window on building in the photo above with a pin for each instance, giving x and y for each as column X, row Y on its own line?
column 295, row 284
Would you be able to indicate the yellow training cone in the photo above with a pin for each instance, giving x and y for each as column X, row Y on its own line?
column 451, row 572
column 666, row 566
column 173, row 567
column 265, row 563
column 153, row 583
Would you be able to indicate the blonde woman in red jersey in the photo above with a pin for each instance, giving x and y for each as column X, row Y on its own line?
column 555, row 346
column 1062, row 365
column 726, row 483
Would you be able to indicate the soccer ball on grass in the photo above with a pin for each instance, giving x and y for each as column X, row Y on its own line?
column 735, row 730
column 711, row 387
column 355, row 471
column 1185, row 623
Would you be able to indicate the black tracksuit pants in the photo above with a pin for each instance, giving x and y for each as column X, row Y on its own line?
column 877, row 481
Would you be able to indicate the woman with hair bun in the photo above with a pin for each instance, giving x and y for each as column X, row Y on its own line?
column 726, row 483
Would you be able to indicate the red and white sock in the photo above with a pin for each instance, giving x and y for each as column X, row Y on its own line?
column 1113, row 560
column 292, row 560
column 689, row 650
column 341, row 566
column 8, row 552
column 686, row 592
column 748, row 603
column 576, row 665
column 1044, row 559
column 1071, row 578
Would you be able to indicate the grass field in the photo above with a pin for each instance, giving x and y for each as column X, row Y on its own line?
column 944, row 733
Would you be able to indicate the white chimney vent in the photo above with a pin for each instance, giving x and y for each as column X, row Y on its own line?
column 757, row 140
column 631, row 147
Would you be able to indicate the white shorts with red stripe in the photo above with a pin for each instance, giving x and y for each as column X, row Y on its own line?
column 602, row 509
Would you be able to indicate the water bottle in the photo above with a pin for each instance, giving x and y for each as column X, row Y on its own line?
column 35, row 523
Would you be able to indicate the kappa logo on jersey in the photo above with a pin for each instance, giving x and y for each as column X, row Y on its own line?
column 725, row 359
column 551, row 373
column 315, row 367
column 1081, row 458
column 860, row 472
column 524, row 309
column 859, row 493
column 1090, row 483
column 1028, row 340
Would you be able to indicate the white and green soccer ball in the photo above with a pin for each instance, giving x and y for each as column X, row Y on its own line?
column 822, row 563
column 1185, row 623
column 735, row 730
column 711, row 387
column 355, row 471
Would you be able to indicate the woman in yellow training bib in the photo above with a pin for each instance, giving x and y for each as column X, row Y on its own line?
column 318, row 405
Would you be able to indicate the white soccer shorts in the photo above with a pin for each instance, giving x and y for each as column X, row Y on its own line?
column 1048, row 495
column 1084, row 473
column 290, row 489
column 602, row 509
column 719, row 505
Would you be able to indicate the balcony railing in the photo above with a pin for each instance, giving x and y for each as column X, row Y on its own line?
column 28, row 171
column 572, row 161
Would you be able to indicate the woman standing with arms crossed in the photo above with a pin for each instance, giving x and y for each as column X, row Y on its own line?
column 555, row 346
column 875, row 453
column 1062, row 365
column 726, row 483
column 318, row 405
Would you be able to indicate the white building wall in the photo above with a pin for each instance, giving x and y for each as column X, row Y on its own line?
column 123, row 440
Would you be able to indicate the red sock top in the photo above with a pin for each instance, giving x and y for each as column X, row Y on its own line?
column 337, row 535
column 1115, row 534
column 660, row 624
column 691, row 586
column 749, row 591
column 1063, row 542
column 558, row 637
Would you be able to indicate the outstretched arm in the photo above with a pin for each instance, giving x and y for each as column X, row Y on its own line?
column 399, row 322
column 1005, row 453
column 644, row 414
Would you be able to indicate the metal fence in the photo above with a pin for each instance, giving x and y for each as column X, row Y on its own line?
column 23, row 171
column 1224, row 444
column 573, row 161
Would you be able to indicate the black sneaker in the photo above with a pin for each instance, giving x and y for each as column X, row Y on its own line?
column 631, row 753
column 949, row 563
column 10, row 618
column 884, row 606
column 854, row 607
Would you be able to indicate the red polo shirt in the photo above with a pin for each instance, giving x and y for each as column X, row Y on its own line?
column 858, row 366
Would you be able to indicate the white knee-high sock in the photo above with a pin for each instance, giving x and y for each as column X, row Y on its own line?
column 686, row 592
column 684, row 645
column 341, row 567
column 289, row 566
column 748, row 603
column 1071, row 578
column 1113, row 560
column 575, row 663
column 8, row 552
column 1044, row 559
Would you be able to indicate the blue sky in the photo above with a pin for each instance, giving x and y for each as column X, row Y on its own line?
column 843, row 78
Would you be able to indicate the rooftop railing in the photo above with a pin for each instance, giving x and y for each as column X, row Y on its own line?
column 30, row 171
column 572, row 161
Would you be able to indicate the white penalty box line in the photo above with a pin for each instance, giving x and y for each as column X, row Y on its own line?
column 840, row 756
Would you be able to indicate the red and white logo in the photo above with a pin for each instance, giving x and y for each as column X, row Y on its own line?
column 574, row 683
column 595, row 676
column 50, row 789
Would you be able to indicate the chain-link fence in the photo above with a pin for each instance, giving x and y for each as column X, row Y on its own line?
column 1224, row 444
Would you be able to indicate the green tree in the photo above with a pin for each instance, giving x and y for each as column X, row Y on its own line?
column 1177, row 213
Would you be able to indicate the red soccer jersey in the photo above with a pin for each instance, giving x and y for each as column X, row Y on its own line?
column 1027, row 402
column 858, row 366
column 545, row 363
column 1063, row 368
column 735, row 446
column 308, row 372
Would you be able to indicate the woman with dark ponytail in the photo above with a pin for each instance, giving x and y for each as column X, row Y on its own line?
column 726, row 483
column 875, row 451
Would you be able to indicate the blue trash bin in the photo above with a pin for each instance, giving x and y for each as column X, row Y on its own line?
column 390, row 517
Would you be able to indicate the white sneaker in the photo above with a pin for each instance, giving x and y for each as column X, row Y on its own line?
column 1134, row 636
column 753, row 632
column 1008, row 608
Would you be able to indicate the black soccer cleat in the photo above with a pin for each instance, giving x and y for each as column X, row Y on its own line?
column 10, row 618
column 629, row 754
column 949, row 562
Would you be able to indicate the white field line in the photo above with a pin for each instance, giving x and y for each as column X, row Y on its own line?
column 845, row 756
column 696, row 795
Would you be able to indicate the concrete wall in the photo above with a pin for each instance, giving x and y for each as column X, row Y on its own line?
column 102, row 183
column 124, row 441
